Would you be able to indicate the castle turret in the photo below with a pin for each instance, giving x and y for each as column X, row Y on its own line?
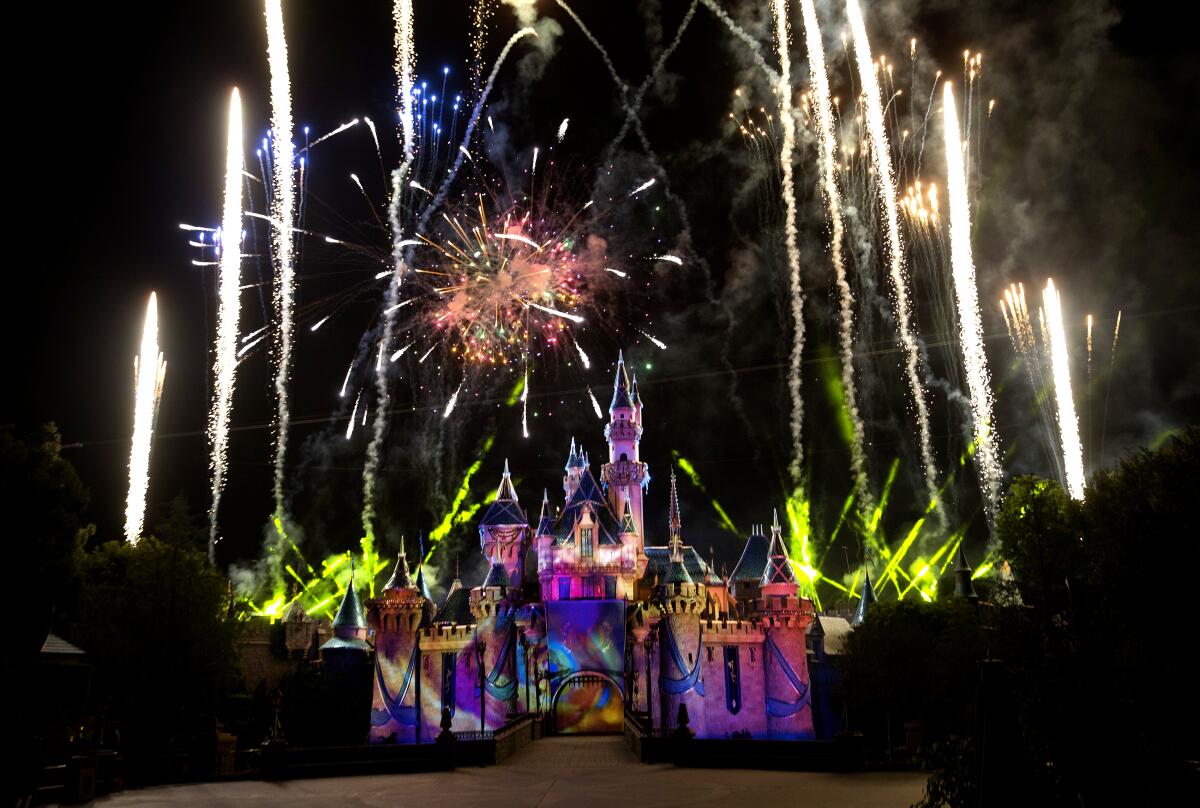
column 573, row 470
column 963, row 587
column 504, row 530
column 396, row 617
column 625, row 475
column 681, row 602
column 866, row 598
column 785, row 619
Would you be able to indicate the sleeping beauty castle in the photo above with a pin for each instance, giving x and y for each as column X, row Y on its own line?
column 581, row 618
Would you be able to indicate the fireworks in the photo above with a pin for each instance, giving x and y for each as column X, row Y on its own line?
column 882, row 160
column 229, row 287
column 787, row 156
column 283, row 209
column 826, row 144
column 149, row 370
column 503, row 285
column 969, row 318
column 1068, row 423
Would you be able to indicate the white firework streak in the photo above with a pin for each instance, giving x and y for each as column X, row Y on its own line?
column 450, row 405
column 562, row 129
column 533, row 166
column 149, row 371
column 583, row 357
column 525, row 402
column 1068, row 423
column 401, row 352
column 575, row 318
column 517, row 237
column 338, row 131
column 970, row 321
column 643, row 186
column 353, row 416
column 616, row 272
column 225, row 352
column 425, row 355
column 881, row 157
column 320, row 322
column 787, row 155
column 283, row 211
column 671, row 259
column 346, row 381
column 662, row 345
column 595, row 404
column 827, row 144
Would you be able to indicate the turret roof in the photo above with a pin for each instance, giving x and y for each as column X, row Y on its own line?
column 865, row 600
column 350, row 613
column 621, row 386
column 588, row 494
column 778, row 569
column 456, row 608
column 401, row 579
column 753, row 561
column 506, row 510
column 497, row 576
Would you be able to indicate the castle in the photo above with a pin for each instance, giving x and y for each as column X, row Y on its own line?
column 579, row 618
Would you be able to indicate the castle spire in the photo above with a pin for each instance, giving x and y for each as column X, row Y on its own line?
column 673, row 520
column 401, row 579
column 574, row 458
column 865, row 599
column 778, row 569
column 963, row 588
column 621, row 385
column 506, row 492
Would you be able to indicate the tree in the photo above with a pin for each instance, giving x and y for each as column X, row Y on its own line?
column 153, row 617
column 43, row 502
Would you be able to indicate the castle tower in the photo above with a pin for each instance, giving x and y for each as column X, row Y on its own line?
column 573, row 470
column 396, row 617
column 866, row 598
column 495, row 651
column 504, row 530
column 625, row 475
column 680, row 601
column 785, row 619
column 963, row 587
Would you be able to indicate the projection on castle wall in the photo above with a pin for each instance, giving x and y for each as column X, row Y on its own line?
column 587, row 653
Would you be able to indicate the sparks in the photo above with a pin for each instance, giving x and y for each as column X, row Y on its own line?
column 320, row 322
column 229, row 283
column 662, row 345
column 149, row 371
column 283, row 210
column 647, row 184
column 969, row 318
column 595, row 404
column 672, row 259
column 1068, row 423
column 450, row 405
column 562, row 129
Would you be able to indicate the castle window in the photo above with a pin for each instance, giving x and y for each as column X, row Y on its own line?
column 624, row 456
column 585, row 542
column 564, row 588
column 610, row 587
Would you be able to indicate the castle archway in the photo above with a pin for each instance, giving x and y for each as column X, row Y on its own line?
column 588, row 703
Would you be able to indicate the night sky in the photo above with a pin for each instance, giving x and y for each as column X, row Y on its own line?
column 1088, row 174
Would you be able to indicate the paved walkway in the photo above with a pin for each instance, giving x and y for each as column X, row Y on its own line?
column 574, row 772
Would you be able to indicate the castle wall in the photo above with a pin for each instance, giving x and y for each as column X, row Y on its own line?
column 676, row 674
column 733, row 679
column 788, row 688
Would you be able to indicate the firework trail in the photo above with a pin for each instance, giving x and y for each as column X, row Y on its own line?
column 149, row 370
column 595, row 404
column 524, row 403
column 562, row 129
column 444, row 188
column 970, row 320
column 746, row 38
column 827, row 145
column 881, row 157
column 631, row 110
column 659, row 343
column 1068, row 423
column 283, row 211
column 353, row 416
column 402, row 15
column 453, row 402
column 228, row 285
column 787, row 155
